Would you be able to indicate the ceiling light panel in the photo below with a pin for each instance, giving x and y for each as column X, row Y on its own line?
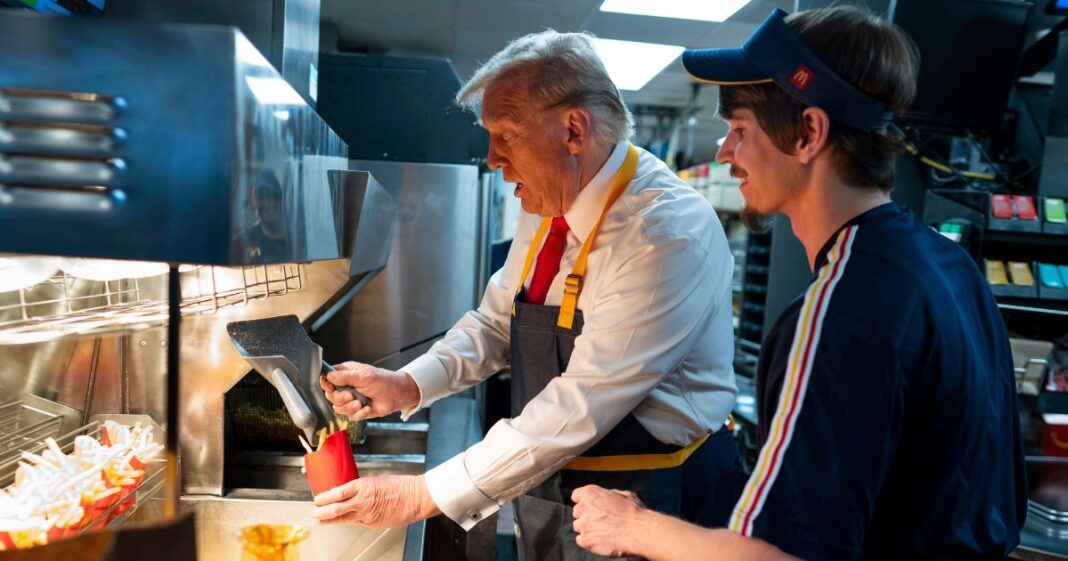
column 631, row 65
column 701, row 10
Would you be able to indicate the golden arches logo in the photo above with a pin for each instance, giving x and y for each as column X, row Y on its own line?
column 801, row 77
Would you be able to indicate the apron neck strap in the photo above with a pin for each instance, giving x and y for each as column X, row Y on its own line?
column 573, row 283
column 531, row 253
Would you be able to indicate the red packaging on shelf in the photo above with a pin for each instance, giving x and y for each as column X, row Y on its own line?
column 331, row 465
column 1001, row 206
column 1025, row 207
column 1056, row 435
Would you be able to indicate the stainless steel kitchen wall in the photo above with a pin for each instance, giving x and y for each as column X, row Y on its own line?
column 435, row 269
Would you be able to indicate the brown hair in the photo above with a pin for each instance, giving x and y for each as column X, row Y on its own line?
column 874, row 55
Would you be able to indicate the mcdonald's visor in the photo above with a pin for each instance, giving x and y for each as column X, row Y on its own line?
column 775, row 54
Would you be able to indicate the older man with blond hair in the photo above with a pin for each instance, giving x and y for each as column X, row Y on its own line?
column 613, row 311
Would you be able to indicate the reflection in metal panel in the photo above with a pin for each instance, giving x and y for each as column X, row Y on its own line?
column 432, row 277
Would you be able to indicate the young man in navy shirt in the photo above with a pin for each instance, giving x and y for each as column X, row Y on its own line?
column 887, row 402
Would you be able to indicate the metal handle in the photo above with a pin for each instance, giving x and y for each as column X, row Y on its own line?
column 30, row 169
column 298, row 410
column 59, row 106
column 59, row 140
column 92, row 198
column 327, row 368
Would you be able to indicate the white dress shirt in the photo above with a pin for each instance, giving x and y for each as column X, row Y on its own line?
column 657, row 339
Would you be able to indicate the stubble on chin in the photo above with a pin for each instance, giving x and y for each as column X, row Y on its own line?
column 754, row 220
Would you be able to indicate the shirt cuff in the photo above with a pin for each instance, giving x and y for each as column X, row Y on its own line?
column 431, row 379
column 455, row 493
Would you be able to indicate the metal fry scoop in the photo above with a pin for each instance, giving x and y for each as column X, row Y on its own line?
column 281, row 351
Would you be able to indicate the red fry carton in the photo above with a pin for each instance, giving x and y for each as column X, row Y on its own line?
column 331, row 465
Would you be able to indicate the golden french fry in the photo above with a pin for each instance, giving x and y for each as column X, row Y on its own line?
column 105, row 493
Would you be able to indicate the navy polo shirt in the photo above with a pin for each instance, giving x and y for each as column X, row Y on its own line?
column 887, row 404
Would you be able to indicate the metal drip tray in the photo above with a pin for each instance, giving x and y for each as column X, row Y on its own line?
column 268, row 488
column 218, row 520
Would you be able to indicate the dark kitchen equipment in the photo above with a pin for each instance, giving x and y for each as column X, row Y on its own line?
column 281, row 351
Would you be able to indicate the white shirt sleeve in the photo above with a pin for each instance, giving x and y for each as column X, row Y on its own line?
column 477, row 346
column 650, row 309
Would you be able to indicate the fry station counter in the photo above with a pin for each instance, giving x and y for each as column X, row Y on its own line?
column 158, row 183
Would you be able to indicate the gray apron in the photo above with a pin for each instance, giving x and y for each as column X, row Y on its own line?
column 702, row 490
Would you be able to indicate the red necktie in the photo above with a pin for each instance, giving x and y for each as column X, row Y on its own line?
column 548, row 261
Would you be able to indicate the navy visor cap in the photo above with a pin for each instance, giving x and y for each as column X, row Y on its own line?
column 774, row 54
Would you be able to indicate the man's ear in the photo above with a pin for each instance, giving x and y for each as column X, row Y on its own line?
column 577, row 129
column 817, row 127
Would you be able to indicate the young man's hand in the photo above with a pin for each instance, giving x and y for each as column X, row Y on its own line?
column 607, row 520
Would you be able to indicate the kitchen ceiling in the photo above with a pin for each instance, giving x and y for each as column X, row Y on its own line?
column 470, row 31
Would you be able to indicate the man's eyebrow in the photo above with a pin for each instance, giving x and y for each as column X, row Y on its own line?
column 735, row 115
column 497, row 118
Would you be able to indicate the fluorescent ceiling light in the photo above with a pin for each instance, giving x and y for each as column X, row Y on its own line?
column 702, row 10
column 631, row 65
column 273, row 91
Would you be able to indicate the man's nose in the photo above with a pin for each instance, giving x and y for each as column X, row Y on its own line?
column 495, row 159
column 725, row 154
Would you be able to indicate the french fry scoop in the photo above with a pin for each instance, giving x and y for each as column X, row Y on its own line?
column 281, row 351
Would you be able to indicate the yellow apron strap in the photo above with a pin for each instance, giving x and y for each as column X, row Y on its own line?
column 566, row 318
column 573, row 283
column 533, row 251
column 636, row 462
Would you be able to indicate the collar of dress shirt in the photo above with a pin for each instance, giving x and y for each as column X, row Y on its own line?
column 584, row 212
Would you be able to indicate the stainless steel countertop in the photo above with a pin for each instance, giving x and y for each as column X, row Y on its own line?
column 219, row 519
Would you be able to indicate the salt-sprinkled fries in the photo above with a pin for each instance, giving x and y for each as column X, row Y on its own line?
column 57, row 494
column 341, row 426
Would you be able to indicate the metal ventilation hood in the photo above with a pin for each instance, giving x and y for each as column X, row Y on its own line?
column 175, row 143
column 285, row 31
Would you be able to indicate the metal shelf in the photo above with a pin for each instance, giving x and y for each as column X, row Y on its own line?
column 53, row 309
column 22, row 428
column 1030, row 238
column 1033, row 309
